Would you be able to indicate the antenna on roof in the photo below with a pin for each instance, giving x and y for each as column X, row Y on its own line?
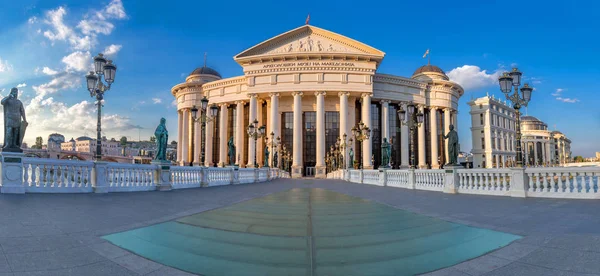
column 204, row 59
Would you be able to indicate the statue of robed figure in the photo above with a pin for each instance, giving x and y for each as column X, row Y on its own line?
column 275, row 159
column 386, row 152
column 452, row 146
column 231, row 149
column 351, row 163
column 266, row 163
column 162, row 138
column 14, row 128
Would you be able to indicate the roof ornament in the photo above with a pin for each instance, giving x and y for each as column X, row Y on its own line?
column 204, row 59
column 427, row 55
column 307, row 19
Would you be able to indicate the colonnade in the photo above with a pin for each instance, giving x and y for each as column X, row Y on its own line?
column 273, row 124
column 544, row 156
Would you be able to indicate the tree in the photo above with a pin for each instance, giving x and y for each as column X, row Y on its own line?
column 173, row 143
column 578, row 159
column 39, row 141
column 124, row 144
column 153, row 139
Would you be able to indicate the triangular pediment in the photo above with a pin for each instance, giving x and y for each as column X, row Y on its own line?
column 309, row 40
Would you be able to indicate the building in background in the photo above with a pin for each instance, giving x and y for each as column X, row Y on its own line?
column 493, row 130
column 54, row 142
column 309, row 87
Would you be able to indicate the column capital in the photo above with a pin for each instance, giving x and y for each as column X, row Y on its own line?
column 343, row 94
column 223, row 104
column 273, row 94
column 447, row 109
column 366, row 95
column 433, row 107
column 318, row 93
column 252, row 95
column 240, row 102
column 385, row 101
column 297, row 93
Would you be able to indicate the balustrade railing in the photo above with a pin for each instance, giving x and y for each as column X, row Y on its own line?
column 186, row 177
column 57, row 176
column 563, row 182
column 398, row 178
column 484, row 181
column 371, row 177
column 130, row 177
column 431, row 180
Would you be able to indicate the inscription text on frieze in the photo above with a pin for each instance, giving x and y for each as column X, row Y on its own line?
column 309, row 64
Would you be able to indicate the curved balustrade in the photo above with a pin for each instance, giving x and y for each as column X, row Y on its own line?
column 130, row 177
column 57, row 176
column 484, row 181
column 246, row 176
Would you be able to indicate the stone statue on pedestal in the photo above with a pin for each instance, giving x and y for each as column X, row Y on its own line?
column 266, row 163
column 386, row 152
column 14, row 128
column 231, row 149
column 452, row 146
column 351, row 163
column 275, row 161
column 162, row 138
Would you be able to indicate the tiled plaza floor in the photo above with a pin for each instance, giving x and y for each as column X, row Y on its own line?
column 46, row 234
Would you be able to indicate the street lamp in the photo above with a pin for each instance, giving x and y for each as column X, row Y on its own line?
column 507, row 81
column 361, row 132
column 274, row 143
column 256, row 132
column 204, row 118
column 106, row 68
column 413, row 120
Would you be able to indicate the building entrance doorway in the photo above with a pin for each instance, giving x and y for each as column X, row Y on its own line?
column 309, row 140
column 309, row 171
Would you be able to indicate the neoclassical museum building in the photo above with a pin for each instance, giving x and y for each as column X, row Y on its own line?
column 309, row 87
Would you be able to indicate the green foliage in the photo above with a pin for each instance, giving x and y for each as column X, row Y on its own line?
column 578, row 159
column 123, row 141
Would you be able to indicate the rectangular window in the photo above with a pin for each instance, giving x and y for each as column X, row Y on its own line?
column 246, row 123
column 376, row 134
column 482, row 143
column 481, row 119
column 394, row 136
column 494, row 143
column 216, row 140
column 287, row 127
column 310, row 139
column 332, row 129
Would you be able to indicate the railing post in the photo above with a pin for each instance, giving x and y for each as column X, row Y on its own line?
column 204, row 175
column 235, row 176
column 411, row 179
column 12, row 173
column 382, row 180
column 162, row 176
column 451, row 181
column 100, row 177
column 360, row 177
column 256, row 175
column 519, row 182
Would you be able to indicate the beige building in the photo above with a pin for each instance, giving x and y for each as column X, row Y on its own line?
column 493, row 133
column 88, row 145
column 310, row 86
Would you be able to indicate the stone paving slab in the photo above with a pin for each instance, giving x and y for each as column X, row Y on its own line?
column 561, row 237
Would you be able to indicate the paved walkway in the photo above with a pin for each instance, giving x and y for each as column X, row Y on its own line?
column 44, row 234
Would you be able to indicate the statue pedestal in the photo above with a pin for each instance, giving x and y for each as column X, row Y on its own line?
column 12, row 173
column 451, row 181
column 162, row 175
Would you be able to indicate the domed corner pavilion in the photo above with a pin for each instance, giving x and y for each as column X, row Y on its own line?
column 310, row 87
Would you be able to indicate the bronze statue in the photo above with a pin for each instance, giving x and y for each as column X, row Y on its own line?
column 266, row 163
column 275, row 161
column 351, row 163
column 14, row 128
column 452, row 146
column 386, row 151
column 162, row 138
column 231, row 147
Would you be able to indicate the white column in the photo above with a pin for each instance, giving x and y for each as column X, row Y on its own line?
column 297, row 146
column 208, row 142
column 223, row 139
column 447, row 130
column 239, row 132
column 548, row 153
column 385, row 120
column 405, row 149
column 366, row 119
column 434, row 137
column 320, row 162
column 186, row 136
column 197, row 142
column 260, row 142
column 274, row 122
column 179, row 136
column 344, row 127
column 251, row 117
column 421, row 137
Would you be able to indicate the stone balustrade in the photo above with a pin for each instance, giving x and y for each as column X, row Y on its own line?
column 554, row 182
column 40, row 175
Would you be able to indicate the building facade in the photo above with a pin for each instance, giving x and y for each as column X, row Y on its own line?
column 88, row 145
column 309, row 87
column 493, row 130
column 54, row 142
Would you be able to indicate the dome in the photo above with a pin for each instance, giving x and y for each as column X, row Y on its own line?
column 429, row 69
column 83, row 138
column 530, row 119
column 205, row 71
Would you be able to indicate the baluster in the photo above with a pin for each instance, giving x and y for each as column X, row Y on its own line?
column 486, row 181
column 26, row 175
column 584, row 183
column 576, row 186
column 34, row 175
column 504, row 182
column 545, row 188
column 568, row 182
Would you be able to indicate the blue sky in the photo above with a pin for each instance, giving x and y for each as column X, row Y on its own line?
column 47, row 48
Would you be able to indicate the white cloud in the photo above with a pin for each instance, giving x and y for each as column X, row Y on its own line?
column 471, row 77
column 78, row 61
column 115, row 10
column 535, row 80
column 156, row 100
column 61, row 81
column 112, row 50
column 558, row 92
column 49, row 71
column 95, row 26
column 567, row 100
column 5, row 66
column 32, row 20
column 21, row 85
column 55, row 18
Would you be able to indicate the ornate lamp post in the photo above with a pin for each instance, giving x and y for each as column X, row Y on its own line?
column 507, row 82
column 343, row 147
column 106, row 68
column 204, row 118
column 413, row 120
column 255, row 132
column 361, row 132
column 274, row 144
